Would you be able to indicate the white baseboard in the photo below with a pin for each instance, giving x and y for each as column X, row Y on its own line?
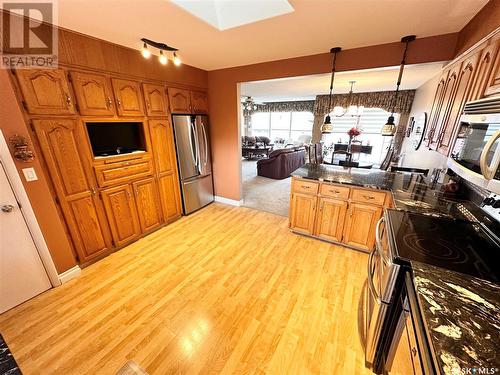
column 70, row 274
column 231, row 202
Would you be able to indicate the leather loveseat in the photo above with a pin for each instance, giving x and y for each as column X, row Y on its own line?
column 281, row 163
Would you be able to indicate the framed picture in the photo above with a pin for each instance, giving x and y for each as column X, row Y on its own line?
column 409, row 128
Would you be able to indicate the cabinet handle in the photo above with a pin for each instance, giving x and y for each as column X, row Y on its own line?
column 93, row 190
column 305, row 187
column 118, row 102
column 321, row 206
column 128, row 194
column 147, row 104
column 335, row 191
column 68, row 99
column 109, row 102
column 414, row 351
column 368, row 197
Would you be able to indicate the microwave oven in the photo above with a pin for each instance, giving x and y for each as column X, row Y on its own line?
column 476, row 153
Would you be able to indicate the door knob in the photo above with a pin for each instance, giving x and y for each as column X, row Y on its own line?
column 7, row 208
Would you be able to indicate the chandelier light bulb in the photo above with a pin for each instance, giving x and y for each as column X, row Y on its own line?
column 163, row 59
column 145, row 52
column 177, row 60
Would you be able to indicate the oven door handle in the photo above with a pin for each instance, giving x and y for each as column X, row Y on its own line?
column 371, row 285
column 489, row 171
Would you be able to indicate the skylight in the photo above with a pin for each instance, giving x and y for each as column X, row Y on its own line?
column 226, row 14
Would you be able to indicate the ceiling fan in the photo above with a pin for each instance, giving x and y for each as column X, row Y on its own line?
column 249, row 104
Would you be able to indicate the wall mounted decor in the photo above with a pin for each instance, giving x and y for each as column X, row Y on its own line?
column 21, row 151
column 419, row 130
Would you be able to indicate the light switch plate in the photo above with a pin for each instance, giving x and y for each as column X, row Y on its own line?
column 30, row 174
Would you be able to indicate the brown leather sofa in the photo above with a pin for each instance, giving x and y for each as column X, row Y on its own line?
column 281, row 163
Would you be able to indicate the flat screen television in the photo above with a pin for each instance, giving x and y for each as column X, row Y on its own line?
column 115, row 138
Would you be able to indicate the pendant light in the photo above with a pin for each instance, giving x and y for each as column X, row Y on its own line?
column 389, row 129
column 327, row 127
column 351, row 109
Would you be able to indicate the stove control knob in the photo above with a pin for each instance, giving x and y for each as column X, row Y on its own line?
column 496, row 204
column 488, row 201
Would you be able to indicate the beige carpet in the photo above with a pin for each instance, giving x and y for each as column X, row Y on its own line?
column 264, row 193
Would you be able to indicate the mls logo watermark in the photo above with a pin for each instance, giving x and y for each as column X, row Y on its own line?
column 29, row 40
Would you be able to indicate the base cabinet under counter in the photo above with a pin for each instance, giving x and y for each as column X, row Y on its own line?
column 336, row 213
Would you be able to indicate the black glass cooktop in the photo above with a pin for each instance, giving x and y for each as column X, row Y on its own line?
column 456, row 245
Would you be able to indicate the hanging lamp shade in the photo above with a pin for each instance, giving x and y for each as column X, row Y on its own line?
column 327, row 127
column 389, row 129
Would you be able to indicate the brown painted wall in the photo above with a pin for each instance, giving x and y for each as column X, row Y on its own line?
column 77, row 50
column 483, row 23
column 224, row 98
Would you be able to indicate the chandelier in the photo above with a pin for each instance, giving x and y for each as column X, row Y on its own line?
column 249, row 104
column 350, row 110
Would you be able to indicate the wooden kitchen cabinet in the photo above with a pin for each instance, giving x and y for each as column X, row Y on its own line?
column 148, row 204
column 360, row 225
column 461, row 94
column 199, row 102
column 45, row 92
column 436, row 106
column 162, row 140
column 303, row 213
column 330, row 219
column 128, row 97
column 485, row 64
column 71, row 173
column 493, row 83
column 170, row 197
column 94, row 94
column 122, row 213
column 180, row 100
column 156, row 100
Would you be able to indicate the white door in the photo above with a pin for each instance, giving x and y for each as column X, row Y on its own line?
column 22, row 275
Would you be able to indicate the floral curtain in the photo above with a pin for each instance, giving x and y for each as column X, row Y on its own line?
column 296, row 106
column 377, row 99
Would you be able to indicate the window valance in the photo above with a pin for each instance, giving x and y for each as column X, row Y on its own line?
column 295, row 106
column 376, row 99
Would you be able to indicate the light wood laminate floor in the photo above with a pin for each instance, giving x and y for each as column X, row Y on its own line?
column 225, row 290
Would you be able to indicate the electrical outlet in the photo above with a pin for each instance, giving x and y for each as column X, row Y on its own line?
column 30, row 174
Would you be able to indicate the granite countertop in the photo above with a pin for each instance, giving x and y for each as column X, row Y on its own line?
column 462, row 318
column 410, row 191
column 8, row 365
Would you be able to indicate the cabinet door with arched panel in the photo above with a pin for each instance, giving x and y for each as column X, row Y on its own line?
column 93, row 94
column 156, row 100
column 45, row 92
column 128, row 97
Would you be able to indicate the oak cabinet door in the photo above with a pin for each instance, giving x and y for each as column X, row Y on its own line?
column 493, row 86
column 199, row 101
column 303, row 212
column 484, row 68
column 155, row 98
column 170, row 197
column 128, row 97
column 330, row 219
column 162, row 140
column 148, row 205
column 461, row 95
column 180, row 100
column 359, row 229
column 45, row 92
column 436, row 106
column 66, row 157
column 447, row 102
column 93, row 94
column 122, row 213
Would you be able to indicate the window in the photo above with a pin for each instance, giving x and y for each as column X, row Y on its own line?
column 370, row 123
column 286, row 125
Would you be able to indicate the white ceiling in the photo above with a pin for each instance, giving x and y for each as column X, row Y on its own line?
column 226, row 14
column 314, row 27
column 307, row 87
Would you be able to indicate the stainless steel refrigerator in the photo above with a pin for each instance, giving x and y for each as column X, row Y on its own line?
column 195, row 164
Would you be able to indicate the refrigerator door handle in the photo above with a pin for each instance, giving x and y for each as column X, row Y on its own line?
column 194, row 153
column 205, row 140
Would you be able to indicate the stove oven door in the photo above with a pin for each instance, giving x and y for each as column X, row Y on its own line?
column 381, row 279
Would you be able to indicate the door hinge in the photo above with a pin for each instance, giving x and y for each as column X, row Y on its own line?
column 25, row 106
column 13, row 71
column 57, row 200
column 113, row 242
column 70, row 79
column 32, row 126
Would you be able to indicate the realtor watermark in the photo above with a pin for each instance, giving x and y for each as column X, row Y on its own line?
column 29, row 40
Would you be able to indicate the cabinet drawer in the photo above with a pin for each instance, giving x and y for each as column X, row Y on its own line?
column 115, row 173
column 305, row 187
column 368, row 196
column 334, row 191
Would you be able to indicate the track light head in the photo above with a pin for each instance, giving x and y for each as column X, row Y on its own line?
column 145, row 51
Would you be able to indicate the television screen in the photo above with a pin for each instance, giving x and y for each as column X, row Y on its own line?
column 115, row 138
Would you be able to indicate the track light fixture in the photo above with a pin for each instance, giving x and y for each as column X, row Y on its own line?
column 162, row 47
